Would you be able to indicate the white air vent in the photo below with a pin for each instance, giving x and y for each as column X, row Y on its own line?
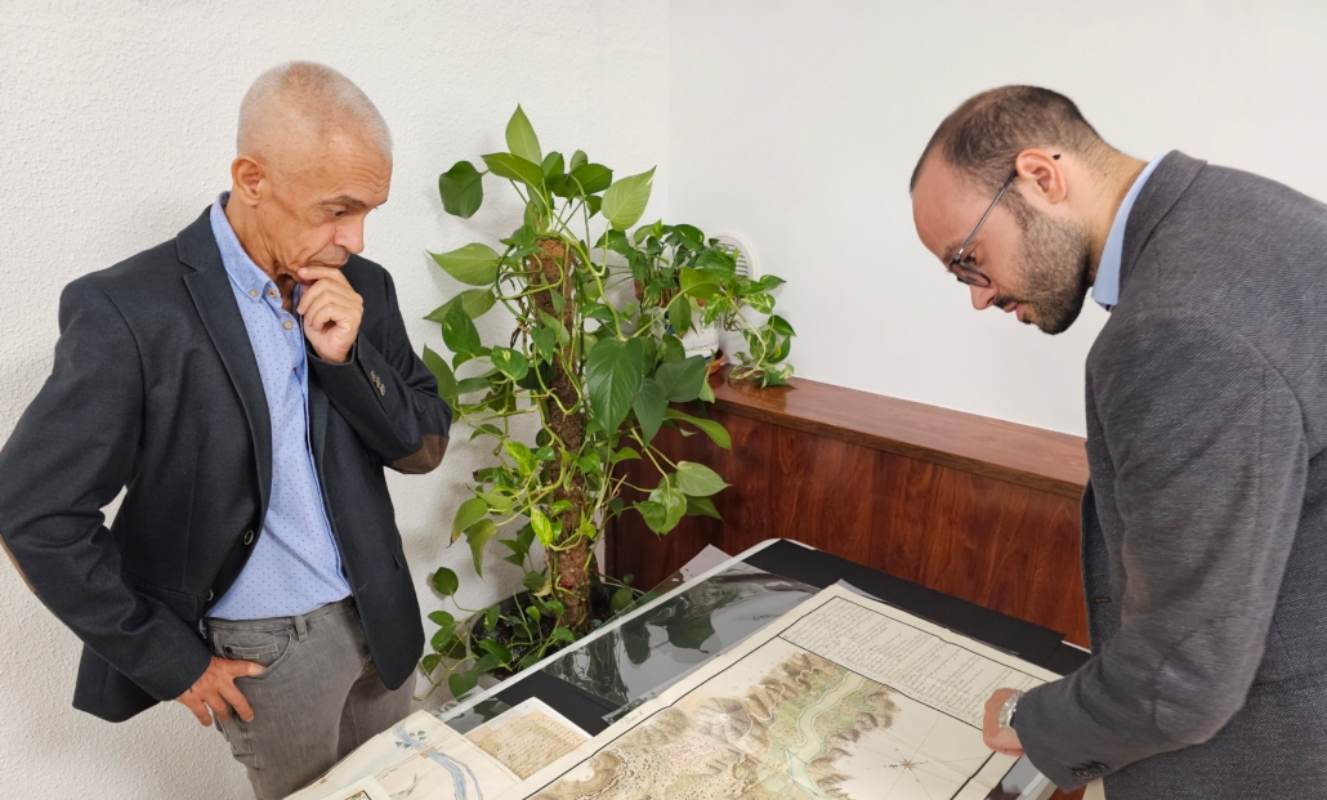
column 746, row 255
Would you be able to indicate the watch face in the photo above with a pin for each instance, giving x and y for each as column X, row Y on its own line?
column 1006, row 716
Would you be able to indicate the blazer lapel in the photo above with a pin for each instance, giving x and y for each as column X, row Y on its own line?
column 1169, row 181
column 209, row 286
column 318, row 409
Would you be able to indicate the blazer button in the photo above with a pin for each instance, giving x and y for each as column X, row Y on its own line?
column 248, row 537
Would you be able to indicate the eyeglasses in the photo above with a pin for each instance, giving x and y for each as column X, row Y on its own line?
column 959, row 264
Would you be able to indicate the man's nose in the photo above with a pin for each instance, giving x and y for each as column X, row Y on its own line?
column 350, row 235
column 982, row 296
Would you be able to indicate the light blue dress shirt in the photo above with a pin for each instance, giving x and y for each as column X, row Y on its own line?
column 295, row 566
column 1106, row 288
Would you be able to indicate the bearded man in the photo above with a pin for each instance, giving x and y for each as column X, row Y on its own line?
column 1205, row 518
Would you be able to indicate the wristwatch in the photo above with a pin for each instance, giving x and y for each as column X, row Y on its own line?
column 1005, row 719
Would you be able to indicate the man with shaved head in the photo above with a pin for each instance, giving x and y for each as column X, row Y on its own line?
column 1205, row 517
column 246, row 383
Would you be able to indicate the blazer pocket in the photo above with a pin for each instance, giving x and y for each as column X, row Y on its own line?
column 186, row 606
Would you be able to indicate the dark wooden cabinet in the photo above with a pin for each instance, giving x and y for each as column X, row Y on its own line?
column 979, row 508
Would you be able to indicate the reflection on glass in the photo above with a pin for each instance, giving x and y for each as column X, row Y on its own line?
column 482, row 712
column 637, row 659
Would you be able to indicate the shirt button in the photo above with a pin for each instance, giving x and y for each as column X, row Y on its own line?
column 253, row 292
column 287, row 324
column 271, row 293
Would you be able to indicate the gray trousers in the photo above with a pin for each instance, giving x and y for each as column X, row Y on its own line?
column 319, row 698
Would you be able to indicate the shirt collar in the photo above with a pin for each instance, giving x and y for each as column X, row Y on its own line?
column 243, row 272
column 1106, row 288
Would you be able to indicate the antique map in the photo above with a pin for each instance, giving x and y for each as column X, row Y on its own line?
column 419, row 758
column 842, row 698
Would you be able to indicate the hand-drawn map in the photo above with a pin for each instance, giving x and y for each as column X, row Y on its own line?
column 418, row 758
column 843, row 698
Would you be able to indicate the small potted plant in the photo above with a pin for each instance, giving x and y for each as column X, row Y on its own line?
column 596, row 356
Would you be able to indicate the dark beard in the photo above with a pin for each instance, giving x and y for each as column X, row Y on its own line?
column 1055, row 263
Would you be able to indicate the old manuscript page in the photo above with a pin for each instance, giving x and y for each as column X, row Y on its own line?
column 528, row 737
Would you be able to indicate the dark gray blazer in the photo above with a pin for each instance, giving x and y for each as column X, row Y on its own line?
column 155, row 388
column 1205, row 522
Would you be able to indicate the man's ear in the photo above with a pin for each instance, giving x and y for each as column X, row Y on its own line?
column 1044, row 173
column 248, row 180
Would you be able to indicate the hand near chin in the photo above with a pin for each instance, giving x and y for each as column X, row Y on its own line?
column 332, row 311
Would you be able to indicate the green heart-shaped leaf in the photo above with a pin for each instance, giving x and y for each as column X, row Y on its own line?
column 462, row 682
column 460, row 335
column 614, row 370
column 654, row 514
column 511, row 363
column 445, row 582
column 682, row 380
column 478, row 535
column 443, row 374
column 592, row 178
column 717, row 433
column 625, row 200
column 543, row 527
column 462, row 189
column 679, row 315
column 467, row 514
column 475, row 264
column 698, row 480
column 702, row 507
column 674, row 503
column 552, row 165
column 516, row 168
column 475, row 302
column 521, row 139
column 650, row 406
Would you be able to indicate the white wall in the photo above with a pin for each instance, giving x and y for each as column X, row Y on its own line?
column 118, row 127
column 799, row 123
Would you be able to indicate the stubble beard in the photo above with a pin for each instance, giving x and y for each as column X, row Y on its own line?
column 1055, row 264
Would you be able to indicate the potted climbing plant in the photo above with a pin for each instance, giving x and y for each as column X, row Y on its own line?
column 599, row 306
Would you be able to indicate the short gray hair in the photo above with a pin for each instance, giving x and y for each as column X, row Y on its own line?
column 312, row 94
